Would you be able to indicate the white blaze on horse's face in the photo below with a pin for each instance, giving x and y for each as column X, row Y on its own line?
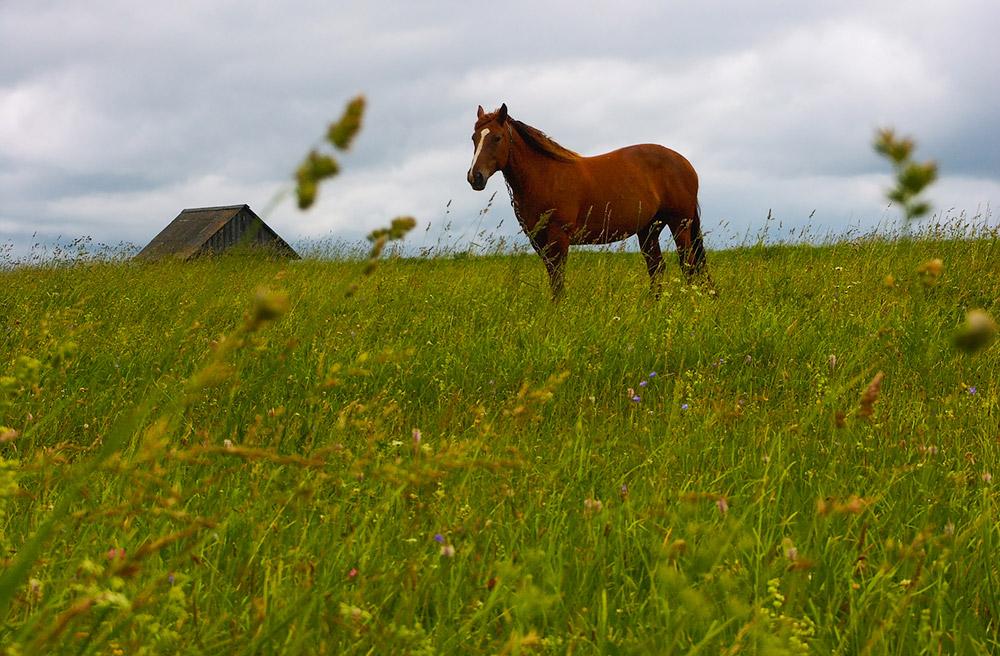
column 479, row 146
column 476, row 178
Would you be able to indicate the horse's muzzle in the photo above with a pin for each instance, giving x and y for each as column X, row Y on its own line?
column 477, row 180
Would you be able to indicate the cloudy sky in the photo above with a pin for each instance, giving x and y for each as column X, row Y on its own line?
column 115, row 115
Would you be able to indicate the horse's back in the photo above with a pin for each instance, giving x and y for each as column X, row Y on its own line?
column 651, row 168
column 657, row 159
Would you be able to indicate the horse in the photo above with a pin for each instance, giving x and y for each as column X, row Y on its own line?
column 561, row 198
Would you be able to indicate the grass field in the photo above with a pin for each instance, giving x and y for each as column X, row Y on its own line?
column 232, row 457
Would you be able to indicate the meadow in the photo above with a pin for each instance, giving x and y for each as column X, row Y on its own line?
column 242, row 456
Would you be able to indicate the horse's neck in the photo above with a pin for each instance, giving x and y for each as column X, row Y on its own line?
column 528, row 173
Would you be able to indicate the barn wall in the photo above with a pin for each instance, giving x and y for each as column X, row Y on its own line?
column 242, row 230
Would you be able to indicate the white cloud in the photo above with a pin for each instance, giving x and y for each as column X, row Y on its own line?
column 47, row 121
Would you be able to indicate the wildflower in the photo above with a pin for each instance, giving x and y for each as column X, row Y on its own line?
column 416, row 436
column 971, row 390
column 352, row 573
column 439, row 538
column 652, row 374
column 723, row 506
column 949, row 529
column 116, row 554
column 636, row 398
column 987, row 477
column 354, row 613
column 447, row 551
column 593, row 505
column 643, row 383
column 684, row 406
column 791, row 553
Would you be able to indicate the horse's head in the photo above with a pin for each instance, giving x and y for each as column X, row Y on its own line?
column 492, row 143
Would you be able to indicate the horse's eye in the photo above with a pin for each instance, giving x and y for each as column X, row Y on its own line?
column 497, row 139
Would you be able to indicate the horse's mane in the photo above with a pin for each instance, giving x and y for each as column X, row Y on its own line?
column 542, row 143
column 538, row 140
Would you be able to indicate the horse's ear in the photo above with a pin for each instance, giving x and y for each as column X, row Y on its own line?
column 481, row 112
column 502, row 114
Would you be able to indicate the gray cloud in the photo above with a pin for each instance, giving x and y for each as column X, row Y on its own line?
column 114, row 117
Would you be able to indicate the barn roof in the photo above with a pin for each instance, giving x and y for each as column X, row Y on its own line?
column 211, row 230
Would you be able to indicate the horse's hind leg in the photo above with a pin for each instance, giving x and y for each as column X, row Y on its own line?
column 687, row 247
column 649, row 244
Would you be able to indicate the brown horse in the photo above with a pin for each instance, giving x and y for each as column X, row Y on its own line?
column 561, row 198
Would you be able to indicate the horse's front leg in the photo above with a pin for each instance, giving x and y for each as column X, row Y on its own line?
column 553, row 250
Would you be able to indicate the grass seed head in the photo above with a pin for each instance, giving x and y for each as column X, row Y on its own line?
column 912, row 178
column 341, row 133
column 268, row 305
column 870, row 395
column 930, row 271
column 977, row 332
column 311, row 172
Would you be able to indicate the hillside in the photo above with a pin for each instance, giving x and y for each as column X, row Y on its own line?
column 233, row 456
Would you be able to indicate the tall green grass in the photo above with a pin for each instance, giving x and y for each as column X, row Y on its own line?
column 232, row 456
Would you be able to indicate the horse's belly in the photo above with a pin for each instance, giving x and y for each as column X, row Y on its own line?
column 611, row 222
column 597, row 235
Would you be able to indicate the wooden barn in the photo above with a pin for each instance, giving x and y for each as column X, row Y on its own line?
column 211, row 230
